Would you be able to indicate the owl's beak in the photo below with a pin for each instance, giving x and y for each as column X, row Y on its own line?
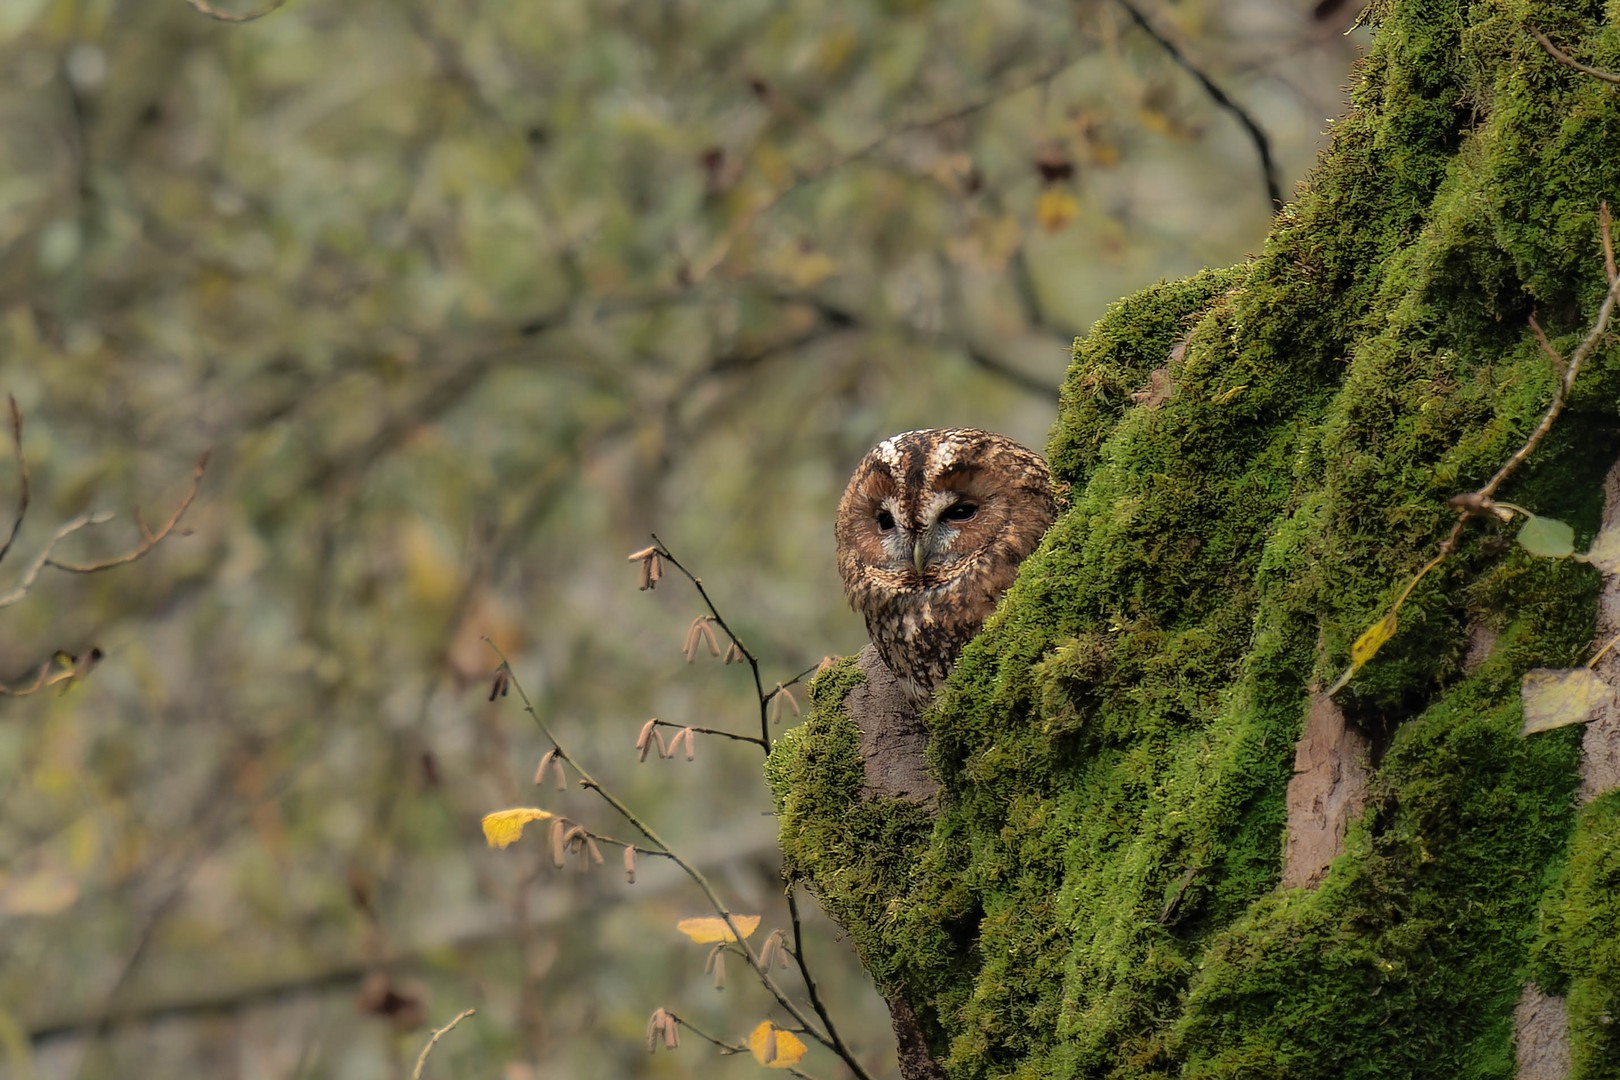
column 919, row 555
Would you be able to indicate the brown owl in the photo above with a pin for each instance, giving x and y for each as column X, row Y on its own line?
column 930, row 533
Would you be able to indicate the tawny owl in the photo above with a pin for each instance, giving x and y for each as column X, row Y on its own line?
column 930, row 533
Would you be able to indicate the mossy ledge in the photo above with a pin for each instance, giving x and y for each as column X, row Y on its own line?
column 1097, row 895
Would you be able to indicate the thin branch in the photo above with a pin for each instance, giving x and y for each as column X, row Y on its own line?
column 1262, row 144
column 1569, row 61
column 225, row 16
column 150, row 540
column 837, row 1043
column 22, row 476
column 44, row 557
column 714, row 612
column 714, row 731
column 831, row 1042
column 1571, row 368
column 421, row 1059
column 74, row 668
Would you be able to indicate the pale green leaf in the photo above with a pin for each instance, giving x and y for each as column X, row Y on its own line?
column 1547, row 538
column 1558, row 697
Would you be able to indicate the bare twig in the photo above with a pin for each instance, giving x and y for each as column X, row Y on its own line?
column 1572, row 367
column 421, row 1059
column 1569, row 61
column 44, row 557
column 22, row 476
column 1257, row 134
column 150, row 539
column 226, row 16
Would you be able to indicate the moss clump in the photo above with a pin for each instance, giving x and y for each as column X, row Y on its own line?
column 1579, row 947
column 856, row 855
column 1097, row 896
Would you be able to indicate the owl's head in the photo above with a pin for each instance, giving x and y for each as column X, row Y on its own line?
column 937, row 510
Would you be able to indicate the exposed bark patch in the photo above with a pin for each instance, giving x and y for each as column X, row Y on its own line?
column 1540, row 1036
column 1600, row 760
column 916, row 1063
column 1481, row 640
column 894, row 740
column 1329, row 787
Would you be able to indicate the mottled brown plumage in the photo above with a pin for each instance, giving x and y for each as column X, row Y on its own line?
column 930, row 533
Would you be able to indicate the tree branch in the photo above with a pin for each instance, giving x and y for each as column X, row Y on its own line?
column 1569, row 61
column 1262, row 144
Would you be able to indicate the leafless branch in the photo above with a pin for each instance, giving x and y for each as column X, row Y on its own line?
column 1257, row 134
column 22, row 476
column 1569, row 61
column 148, row 542
column 1572, row 366
column 44, row 557
column 421, row 1060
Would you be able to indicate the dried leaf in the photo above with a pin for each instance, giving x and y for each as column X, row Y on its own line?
column 1605, row 553
column 504, row 827
column 630, row 864
column 1558, row 697
column 711, row 928
column 774, row 1048
column 1547, row 538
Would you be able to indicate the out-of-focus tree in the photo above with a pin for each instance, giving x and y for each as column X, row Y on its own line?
column 465, row 298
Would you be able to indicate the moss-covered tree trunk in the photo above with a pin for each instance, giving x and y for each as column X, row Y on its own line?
column 1099, row 889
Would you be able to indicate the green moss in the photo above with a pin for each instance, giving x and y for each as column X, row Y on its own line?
column 1579, row 948
column 1097, row 896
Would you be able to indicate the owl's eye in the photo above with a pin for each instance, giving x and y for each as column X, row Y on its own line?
column 962, row 511
column 885, row 521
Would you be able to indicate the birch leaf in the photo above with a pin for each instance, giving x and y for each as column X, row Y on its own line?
column 504, row 827
column 710, row 929
column 774, row 1048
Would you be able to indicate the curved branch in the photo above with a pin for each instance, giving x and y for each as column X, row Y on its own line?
column 1262, row 144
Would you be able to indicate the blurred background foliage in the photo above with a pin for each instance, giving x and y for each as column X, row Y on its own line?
column 466, row 298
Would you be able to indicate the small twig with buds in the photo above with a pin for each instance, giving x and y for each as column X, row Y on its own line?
column 416, row 1073
column 830, row 1041
column 767, row 713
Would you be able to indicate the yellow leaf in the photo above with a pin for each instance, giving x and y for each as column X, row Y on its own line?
column 1366, row 646
column 1558, row 697
column 711, row 929
column 775, row 1048
column 504, row 827
column 1055, row 209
